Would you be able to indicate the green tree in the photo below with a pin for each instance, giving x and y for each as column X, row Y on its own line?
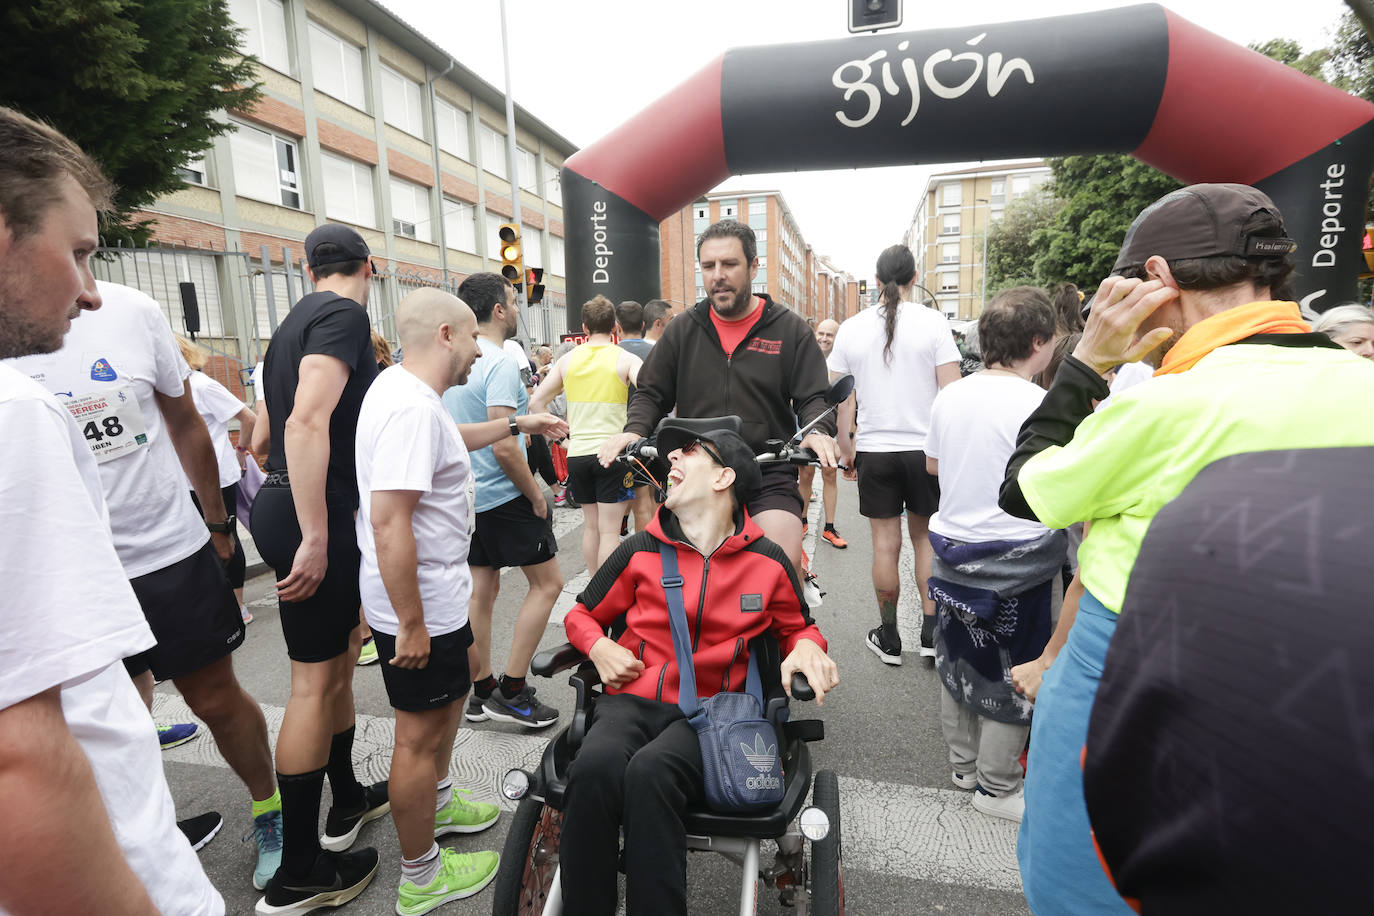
column 1287, row 51
column 137, row 83
column 1011, row 250
column 1101, row 196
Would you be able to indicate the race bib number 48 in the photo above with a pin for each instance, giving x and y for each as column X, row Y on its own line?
column 110, row 421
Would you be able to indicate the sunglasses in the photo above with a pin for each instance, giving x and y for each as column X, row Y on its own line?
column 698, row 443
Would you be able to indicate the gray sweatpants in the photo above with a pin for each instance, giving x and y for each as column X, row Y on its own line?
column 992, row 749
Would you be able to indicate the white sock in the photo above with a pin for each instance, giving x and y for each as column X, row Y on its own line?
column 444, row 795
column 423, row 870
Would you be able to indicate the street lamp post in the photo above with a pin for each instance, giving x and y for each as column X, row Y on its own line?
column 987, row 224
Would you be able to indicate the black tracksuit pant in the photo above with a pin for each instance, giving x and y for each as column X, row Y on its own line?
column 640, row 766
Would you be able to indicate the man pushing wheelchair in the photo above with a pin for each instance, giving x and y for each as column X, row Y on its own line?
column 640, row 766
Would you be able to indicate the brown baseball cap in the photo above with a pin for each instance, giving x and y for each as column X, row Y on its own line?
column 1201, row 221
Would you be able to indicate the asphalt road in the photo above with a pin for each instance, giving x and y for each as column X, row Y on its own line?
column 912, row 843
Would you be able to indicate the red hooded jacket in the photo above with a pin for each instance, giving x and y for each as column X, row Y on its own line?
column 746, row 586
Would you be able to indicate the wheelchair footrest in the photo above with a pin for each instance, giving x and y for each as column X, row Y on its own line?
column 804, row 730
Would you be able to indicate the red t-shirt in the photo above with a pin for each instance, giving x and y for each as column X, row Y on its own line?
column 733, row 332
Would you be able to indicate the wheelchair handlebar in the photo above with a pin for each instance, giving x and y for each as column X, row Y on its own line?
column 801, row 687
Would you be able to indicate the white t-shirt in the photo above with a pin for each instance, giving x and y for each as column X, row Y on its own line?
column 517, row 353
column 112, row 363
column 217, row 407
column 894, row 397
column 69, row 617
column 407, row 441
column 973, row 427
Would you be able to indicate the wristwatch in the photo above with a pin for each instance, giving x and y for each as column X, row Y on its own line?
column 224, row 527
column 514, row 429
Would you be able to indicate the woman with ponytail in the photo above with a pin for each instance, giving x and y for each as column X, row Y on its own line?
column 900, row 354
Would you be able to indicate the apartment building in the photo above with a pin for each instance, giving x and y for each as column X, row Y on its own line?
column 948, row 233
column 365, row 121
column 788, row 267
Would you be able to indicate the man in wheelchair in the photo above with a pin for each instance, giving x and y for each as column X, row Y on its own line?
column 640, row 765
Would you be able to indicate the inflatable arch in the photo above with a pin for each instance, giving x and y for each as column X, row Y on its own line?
column 1138, row 79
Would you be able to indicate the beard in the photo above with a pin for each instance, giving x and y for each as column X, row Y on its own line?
column 1155, row 358
column 20, row 335
column 737, row 308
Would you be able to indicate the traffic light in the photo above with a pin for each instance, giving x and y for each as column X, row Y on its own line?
column 512, row 254
column 863, row 287
column 871, row 15
column 534, row 285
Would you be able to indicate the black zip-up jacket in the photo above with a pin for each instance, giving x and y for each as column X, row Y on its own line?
column 774, row 381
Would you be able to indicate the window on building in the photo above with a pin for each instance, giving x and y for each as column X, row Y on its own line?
column 701, row 212
column 556, row 265
column 493, row 150
column 553, row 185
column 410, row 210
column 763, row 263
column 999, row 189
column 337, row 66
column 266, row 166
column 761, row 236
column 264, row 31
column 949, row 281
column 951, row 194
column 527, row 165
column 1020, row 184
column 453, row 129
column 401, row 103
column 348, row 193
column 949, row 253
column 193, row 172
column 460, row 225
column 758, row 206
column 949, row 224
column 701, row 293
column 727, row 211
column 532, row 240
column 492, row 227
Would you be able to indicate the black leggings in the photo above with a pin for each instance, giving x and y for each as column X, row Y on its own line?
column 541, row 460
column 640, row 765
column 237, row 566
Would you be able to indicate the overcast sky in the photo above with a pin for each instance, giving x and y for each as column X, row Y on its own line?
column 586, row 66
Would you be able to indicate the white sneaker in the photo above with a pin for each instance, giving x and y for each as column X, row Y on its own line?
column 965, row 781
column 812, row 594
column 1011, row 806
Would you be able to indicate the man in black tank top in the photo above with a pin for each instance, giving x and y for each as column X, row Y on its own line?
column 316, row 371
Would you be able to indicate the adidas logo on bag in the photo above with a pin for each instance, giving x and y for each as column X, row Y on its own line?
column 761, row 757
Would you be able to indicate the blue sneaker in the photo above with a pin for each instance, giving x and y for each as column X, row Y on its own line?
column 267, row 836
column 174, row 735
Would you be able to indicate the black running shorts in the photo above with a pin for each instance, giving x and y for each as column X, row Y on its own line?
column 512, row 535
column 318, row 628
column 444, row 679
column 591, row 483
column 193, row 614
column 780, row 491
column 893, row 482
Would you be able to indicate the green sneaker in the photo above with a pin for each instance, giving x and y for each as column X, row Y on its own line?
column 460, row 875
column 461, row 815
column 368, row 655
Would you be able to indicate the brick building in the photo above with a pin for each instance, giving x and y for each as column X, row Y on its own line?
column 789, row 270
column 948, row 231
column 364, row 121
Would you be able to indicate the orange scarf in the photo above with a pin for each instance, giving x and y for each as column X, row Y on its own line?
column 1230, row 326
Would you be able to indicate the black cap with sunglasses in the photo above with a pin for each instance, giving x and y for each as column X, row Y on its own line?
column 726, row 449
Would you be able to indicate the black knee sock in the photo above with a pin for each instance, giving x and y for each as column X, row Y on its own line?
column 485, row 686
column 300, row 820
column 510, row 686
column 348, row 792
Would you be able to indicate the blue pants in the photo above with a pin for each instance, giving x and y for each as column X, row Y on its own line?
column 1060, row 871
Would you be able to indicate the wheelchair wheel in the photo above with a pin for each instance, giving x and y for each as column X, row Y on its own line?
column 528, row 860
column 827, row 865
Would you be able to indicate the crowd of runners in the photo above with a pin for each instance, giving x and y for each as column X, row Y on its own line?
column 1182, row 452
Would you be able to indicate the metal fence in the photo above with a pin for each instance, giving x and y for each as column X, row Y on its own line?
column 231, row 302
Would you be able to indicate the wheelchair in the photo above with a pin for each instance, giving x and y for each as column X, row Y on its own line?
column 808, row 871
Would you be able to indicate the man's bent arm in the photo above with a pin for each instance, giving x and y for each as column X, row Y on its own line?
column 306, row 439
column 655, row 391
column 60, row 854
column 1068, row 402
column 510, row 455
column 393, row 514
column 191, row 439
